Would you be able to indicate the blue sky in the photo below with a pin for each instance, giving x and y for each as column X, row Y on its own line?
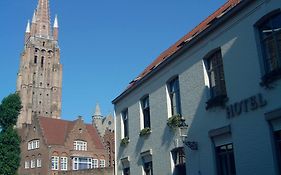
column 104, row 44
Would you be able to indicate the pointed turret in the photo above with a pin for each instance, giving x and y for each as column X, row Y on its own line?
column 97, row 118
column 97, row 113
column 33, row 24
column 56, row 28
column 27, row 32
column 43, row 19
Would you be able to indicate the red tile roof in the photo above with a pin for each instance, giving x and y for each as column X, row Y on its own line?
column 55, row 131
column 188, row 37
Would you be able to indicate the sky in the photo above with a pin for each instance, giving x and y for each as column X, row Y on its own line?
column 104, row 44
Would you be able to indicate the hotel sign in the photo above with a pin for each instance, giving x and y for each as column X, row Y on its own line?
column 246, row 105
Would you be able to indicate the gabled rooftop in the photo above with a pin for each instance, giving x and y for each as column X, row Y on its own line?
column 55, row 131
column 224, row 9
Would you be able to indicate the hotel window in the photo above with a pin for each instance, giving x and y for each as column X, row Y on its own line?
column 55, row 162
column 125, row 123
column 63, row 163
column 80, row 145
column 225, row 160
column 214, row 66
column 145, row 111
column 81, row 163
column 126, row 171
column 269, row 28
column 95, row 163
column 178, row 156
column 102, row 163
column 174, row 95
column 148, row 169
column 277, row 138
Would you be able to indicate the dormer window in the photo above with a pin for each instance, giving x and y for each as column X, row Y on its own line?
column 80, row 145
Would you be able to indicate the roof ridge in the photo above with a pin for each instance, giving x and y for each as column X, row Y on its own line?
column 189, row 35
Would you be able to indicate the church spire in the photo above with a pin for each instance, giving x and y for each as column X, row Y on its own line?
column 27, row 27
column 43, row 19
column 97, row 113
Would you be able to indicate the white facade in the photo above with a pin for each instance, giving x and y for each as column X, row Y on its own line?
column 250, row 131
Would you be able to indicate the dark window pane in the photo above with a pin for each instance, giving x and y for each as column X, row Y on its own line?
column 146, row 112
column 270, row 32
column 216, row 75
column 225, row 160
column 174, row 93
column 125, row 123
column 277, row 137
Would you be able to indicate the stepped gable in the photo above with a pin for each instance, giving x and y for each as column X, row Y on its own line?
column 95, row 136
column 55, row 131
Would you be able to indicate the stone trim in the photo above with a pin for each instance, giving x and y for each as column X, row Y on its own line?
column 220, row 131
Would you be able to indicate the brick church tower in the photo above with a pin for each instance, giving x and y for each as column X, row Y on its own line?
column 39, row 80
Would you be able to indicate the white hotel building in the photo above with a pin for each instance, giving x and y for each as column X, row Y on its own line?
column 224, row 79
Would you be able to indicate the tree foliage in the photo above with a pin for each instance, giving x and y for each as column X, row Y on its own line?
column 9, row 110
column 9, row 152
column 9, row 139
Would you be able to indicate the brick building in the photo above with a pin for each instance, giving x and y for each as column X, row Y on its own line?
column 53, row 145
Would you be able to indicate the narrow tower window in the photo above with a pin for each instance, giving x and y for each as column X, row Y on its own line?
column 35, row 59
column 42, row 61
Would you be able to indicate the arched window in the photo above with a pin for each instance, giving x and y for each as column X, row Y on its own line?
column 269, row 28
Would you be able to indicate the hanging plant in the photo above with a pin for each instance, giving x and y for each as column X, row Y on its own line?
column 145, row 131
column 125, row 141
column 174, row 121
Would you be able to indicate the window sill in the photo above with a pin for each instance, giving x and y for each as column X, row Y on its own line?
column 270, row 77
column 219, row 100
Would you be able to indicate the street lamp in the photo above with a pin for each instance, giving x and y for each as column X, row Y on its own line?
column 183, row 134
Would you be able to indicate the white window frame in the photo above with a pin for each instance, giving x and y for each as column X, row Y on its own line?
column 76, row 162
column 26, row 164
column 55, row 163
column 95, row 163
column 80, row 145
column 32, row 163
column 33, row 144
column 63, row 163
column 39, row 163
column 102, row 163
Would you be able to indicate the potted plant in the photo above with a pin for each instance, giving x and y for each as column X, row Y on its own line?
column 174, row 121
column 125, row 141
column 145, row 131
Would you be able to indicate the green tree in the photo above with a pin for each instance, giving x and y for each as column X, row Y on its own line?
column 10, row 110
column 9, row 152
column 9, row 139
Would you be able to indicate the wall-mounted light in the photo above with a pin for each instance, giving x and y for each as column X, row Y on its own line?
column 183, row 134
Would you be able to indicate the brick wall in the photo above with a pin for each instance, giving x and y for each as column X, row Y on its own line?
column 97, row 171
